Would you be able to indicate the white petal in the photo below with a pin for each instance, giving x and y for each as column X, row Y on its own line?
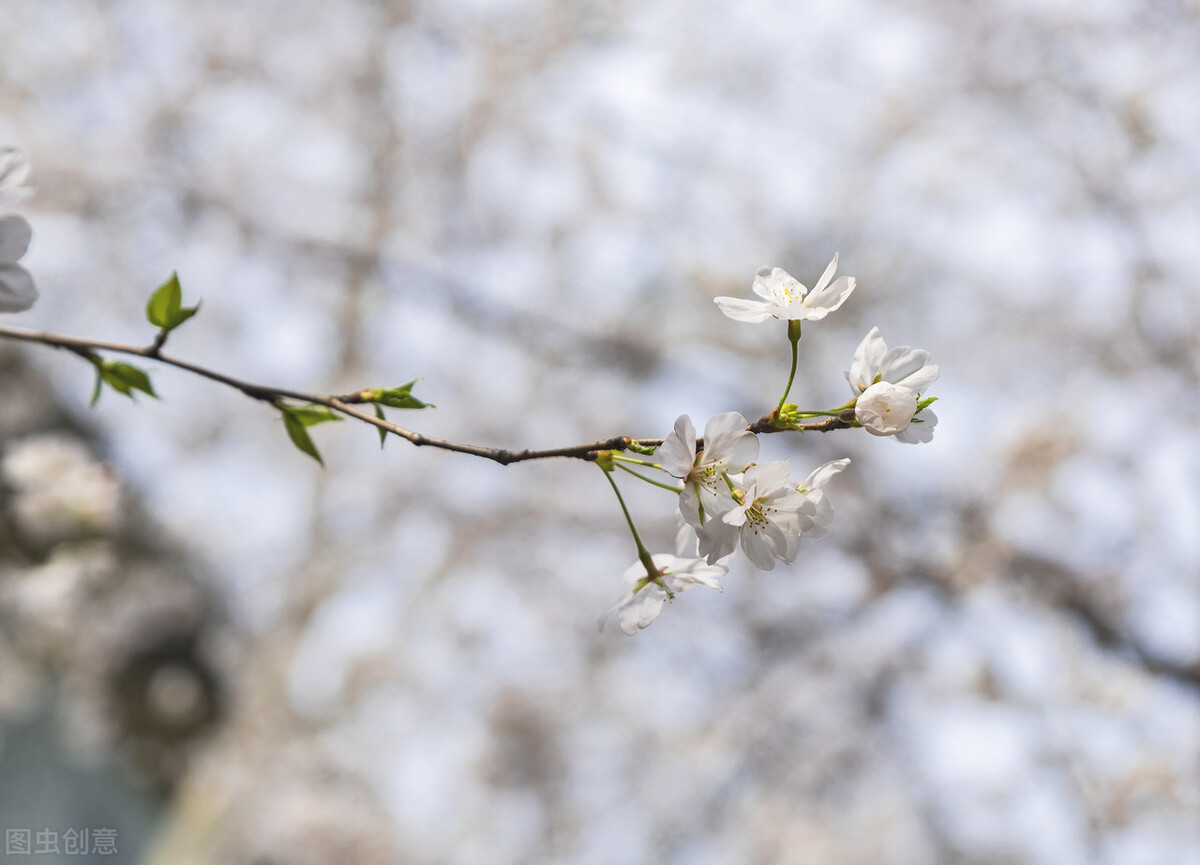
column 14, row 167
column 778, row 287
column 689, row 507
column 677, row 453
column 758, row 549
column 752, row 311
column 868, row 358
column 911, row 367
column 642, row 609
column 725, row 424
column 726, row 440
column 920, row 430
column 829, row 298
column 687, row 545
column 15, row 235
column 885, row 409
column 821, row 475
column 717, row 539
column 830, row 270
column 17, row 291
column 768, row 477
column 763, row 282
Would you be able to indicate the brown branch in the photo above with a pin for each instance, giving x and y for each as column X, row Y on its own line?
column 344, row 404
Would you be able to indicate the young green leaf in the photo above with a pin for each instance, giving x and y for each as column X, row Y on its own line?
column 310, row 415
column 165, row 309
column 122, row 377
column 382, row 432
column 398, row 397
column 299, row 435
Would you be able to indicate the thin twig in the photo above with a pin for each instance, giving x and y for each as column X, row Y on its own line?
column 344, row 404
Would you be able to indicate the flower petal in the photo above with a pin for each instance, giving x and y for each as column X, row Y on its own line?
column 677, row 453
column 758, row 549
column 768, row 477
column 920, row 430
column 15, row 235
column 642, row 609
column 830, row 270
column 911, row 367
column 868, row 358
column 745, row 310
column 821, row 475
column 829, row 298
column 717, row 539
column 885, row 409
column 17, row 291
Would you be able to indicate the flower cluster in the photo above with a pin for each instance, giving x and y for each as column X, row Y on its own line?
column 888, row 386
column 727, row 499
column 17, row 291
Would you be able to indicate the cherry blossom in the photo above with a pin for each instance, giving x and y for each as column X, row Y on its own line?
column 784, row 297
column 768, row 517
column 729, row 448
column 912, row 368
column 813, row 489
column 885, row 409
column 644, row 601
column 17, row 291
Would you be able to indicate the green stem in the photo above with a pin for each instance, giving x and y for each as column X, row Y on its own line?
column 639, row 462
column 643, row 554
column 795, row 340
column 641, row 477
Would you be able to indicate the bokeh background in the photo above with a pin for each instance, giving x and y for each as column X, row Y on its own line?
column 231, row 656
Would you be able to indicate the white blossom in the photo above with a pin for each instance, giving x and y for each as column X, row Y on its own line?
column 873, row 361
column 17, row 291
column 729, row 448
column 14, row 171
column 921, row 428
column 813, row 489
column 644, row 601
column 768, row 517
column 885, row 409
column 783, row 296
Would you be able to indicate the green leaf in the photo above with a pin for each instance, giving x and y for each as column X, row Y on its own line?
column 165, row 309
column 299, row 435
column 382, row 432
column 99, row 386
column 124, row 378
column 926, row 403
column 310, row 415
column 398, row 397
column 164, row 304
column 639, row 448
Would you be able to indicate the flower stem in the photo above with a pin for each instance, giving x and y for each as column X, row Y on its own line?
column 638, row 462
column 642, row 477
column 794, row 338
column 643, row 554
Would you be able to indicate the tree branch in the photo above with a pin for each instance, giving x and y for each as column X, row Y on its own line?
column 344, row 403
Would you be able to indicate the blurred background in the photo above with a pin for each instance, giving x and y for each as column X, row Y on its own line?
column 228, row 655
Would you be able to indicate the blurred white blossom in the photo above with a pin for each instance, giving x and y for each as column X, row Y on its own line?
column 59, row 490
column 17, row 291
